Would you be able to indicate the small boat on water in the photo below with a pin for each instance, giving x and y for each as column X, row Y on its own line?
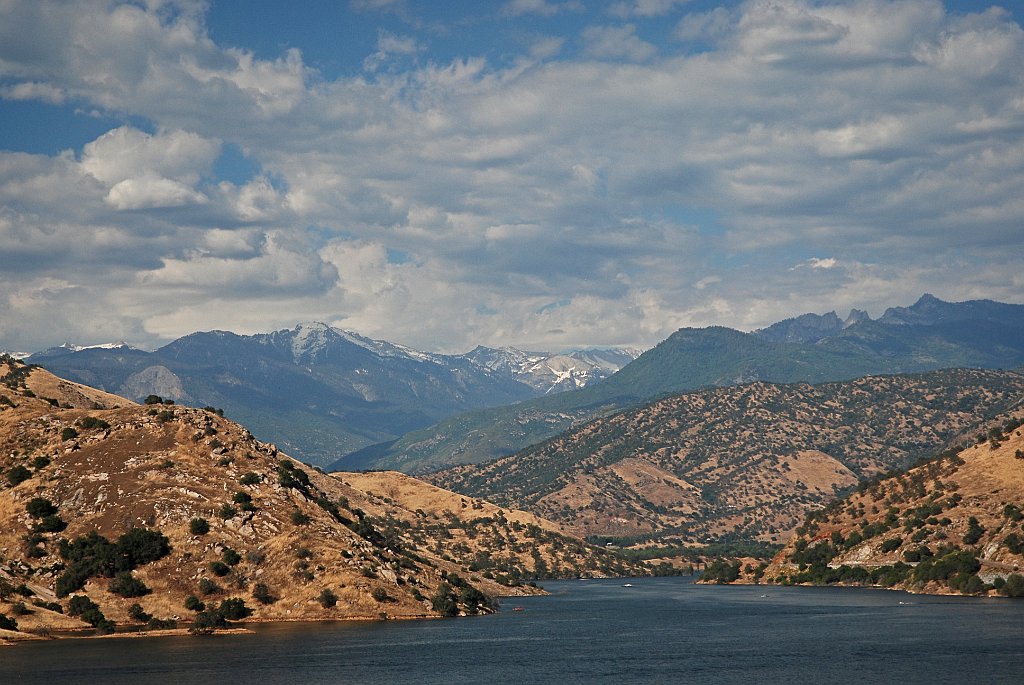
column 627, row 585
column 518, row 609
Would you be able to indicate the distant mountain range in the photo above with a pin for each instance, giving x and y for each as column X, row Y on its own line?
column 930, row 334
column 321, row 392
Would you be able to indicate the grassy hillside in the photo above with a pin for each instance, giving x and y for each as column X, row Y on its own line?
column 117, row 516
column 952, row 525
column 743, row 462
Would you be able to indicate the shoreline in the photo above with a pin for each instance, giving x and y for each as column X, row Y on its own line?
column 10, row 638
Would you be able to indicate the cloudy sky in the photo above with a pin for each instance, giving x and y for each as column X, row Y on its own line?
column 540, row 173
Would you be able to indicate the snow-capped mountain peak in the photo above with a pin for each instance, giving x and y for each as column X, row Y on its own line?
column 553, row 372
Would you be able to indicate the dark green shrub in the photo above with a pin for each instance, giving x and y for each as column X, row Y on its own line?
column 208, row 587
column 40, row 463
column 7, row 623
column 50, row 524
column 18, row 474
column 443, row 601
column 380, row 594
column 90, row 422
column 474, row 600
column 38, row 507
column 230, row 556
column 261, row 593
column 79, row 604
column 73, row 578
column 199, row 526
column 299, row 518
column 68, row 433
column 207, row 621
column 234, row 609
column 227, row 511
column 193, row 603
column 327, row 598
column 137, row 613
column 290, row 476
column 250, row 478
column 974, row 531
column 219, row 568
column 721, row 571
column 891, row 545
column 1014, row 586
column 127, row 585
column 140, row 546
column 52, row 606
column 153, row 399
column 241, row 498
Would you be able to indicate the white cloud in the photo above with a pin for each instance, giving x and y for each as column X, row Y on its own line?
column 43, row 92
column 149, row 192
column 617, row 42
column 643, row 186
column 126, row 153
column 545, row 8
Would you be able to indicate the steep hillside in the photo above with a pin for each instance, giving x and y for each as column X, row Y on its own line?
column 928, row 335
column 503, row 544
column 317, row 391
column 187, row 515
column 738, row 462
column 952, row 525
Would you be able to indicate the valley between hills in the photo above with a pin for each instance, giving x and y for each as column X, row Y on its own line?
column 780, row 456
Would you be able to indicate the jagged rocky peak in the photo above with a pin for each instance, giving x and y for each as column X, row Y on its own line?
column 856, row 316
column 930, row 310
column 806, row 328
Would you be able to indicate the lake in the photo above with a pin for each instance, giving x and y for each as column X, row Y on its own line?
column 660, row 630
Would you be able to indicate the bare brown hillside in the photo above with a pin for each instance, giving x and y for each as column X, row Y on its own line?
column 743, row 462
column 952, row 525
column 182, row 502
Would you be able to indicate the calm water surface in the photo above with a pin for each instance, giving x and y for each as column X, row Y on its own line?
column 661, row 630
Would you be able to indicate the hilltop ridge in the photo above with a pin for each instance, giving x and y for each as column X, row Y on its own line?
column 741, row 462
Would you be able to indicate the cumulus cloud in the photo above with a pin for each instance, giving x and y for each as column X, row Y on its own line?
column 617, row 42
column 778, row 157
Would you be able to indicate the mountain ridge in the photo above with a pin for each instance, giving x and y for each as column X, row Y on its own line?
column 743, row 461
column 931, row 335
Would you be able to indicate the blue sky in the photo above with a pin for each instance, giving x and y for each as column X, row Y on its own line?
column 541, row 173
